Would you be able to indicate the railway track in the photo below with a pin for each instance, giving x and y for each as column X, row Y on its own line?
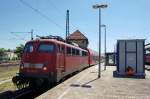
column 21, row 94
column 26, row 93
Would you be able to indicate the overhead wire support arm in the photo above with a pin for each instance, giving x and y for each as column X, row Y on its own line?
column 17, row 35
column 25, row 32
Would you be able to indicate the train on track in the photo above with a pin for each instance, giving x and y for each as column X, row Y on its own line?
column 147, row 55
column 147, row 59
column 46, row 61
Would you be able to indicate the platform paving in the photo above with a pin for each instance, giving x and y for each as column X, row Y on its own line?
column 86, row 85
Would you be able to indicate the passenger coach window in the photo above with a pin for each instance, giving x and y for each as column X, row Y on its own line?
column 84, row 53
column 48, row 48
column 68, row 50
column 73, row 51
column 77, row 52
column 28, row 48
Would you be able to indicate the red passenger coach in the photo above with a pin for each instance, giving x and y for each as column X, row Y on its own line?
column 147, row 59
column 50, row 60
column 93, row 57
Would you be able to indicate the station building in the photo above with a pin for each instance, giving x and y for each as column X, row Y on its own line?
column 78, row 38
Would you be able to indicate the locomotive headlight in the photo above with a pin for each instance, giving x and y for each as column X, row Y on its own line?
column 45, row 65
column 44, row 68
column 21, row 66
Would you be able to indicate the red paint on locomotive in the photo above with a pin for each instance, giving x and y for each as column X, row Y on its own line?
column 53, row 60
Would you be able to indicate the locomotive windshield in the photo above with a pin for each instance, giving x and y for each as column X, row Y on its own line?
column 46, row 48
column 28, row 48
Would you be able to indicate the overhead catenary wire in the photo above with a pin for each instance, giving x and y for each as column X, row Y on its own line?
column 41, row 14
column 55, row 7
column 61, row 13
column 18, row 37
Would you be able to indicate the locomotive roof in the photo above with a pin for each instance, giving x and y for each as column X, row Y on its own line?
column 56, row 41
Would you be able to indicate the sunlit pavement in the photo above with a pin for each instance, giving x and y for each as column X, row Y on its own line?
column 4, row 81
column 86, row 85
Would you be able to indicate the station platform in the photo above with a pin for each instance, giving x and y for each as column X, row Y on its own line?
column 86, row 85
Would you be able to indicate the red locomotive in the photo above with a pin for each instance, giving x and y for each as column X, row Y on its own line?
column 47, row 61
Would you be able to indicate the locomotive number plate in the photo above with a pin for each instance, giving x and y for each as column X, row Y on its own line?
column 33, row 71
column 32, row 66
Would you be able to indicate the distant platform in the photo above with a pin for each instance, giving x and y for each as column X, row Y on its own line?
column 86, row 85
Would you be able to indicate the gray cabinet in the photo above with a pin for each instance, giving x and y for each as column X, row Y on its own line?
column 130, row 53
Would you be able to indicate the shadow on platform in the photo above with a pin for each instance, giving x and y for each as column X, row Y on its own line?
column 85, row 85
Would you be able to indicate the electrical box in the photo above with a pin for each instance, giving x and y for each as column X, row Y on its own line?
column 110, row 59
column 130, row 58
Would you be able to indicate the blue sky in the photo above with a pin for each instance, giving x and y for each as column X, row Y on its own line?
column 125, row 19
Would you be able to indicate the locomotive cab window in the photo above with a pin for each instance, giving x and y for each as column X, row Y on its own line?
column 46, row 48
column 28, row 48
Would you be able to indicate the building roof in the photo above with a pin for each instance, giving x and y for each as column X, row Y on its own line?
column 76, row 35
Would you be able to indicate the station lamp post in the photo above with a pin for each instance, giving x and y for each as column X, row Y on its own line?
column 99, row 6
column 103, row 25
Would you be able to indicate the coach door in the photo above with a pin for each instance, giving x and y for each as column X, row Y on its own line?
column 61, row 57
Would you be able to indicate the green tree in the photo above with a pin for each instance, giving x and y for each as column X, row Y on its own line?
column 8, row 50
column 2, row 50
column 2, row 53
column 19, row 50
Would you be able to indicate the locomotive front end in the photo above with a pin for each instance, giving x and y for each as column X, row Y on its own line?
column 37, row 64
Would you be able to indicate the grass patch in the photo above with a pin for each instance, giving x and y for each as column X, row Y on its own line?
column 7, row 86
column 8, row 72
